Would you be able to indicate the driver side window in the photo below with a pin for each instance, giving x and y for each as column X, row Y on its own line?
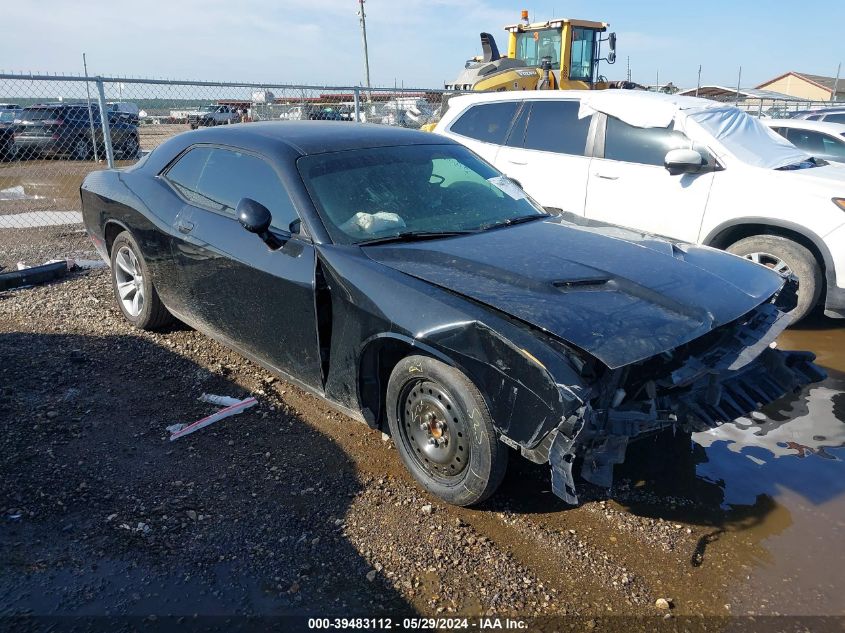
column 646, row 146
column 217, row 178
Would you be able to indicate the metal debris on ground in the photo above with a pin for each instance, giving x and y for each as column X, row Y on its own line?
column 233, row 408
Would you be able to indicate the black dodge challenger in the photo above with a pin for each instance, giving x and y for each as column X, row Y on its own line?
column 414, row 287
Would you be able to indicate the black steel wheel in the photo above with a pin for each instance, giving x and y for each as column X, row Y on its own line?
column 443, row 431
column 436, row 433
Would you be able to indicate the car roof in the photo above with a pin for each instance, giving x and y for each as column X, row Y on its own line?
column 805, row 124
column 622, row 95
column 818, row 112
column 317, row 137
column 56, row 105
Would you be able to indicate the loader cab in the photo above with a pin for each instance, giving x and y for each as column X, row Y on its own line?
column 571, row 46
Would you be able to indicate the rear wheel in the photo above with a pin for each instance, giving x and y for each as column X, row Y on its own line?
column 443, row 431
column 134, row 291
column 785, row 257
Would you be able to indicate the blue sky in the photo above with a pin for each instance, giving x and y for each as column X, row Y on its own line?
column 412, row 42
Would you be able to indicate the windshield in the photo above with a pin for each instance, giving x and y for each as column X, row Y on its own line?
column 376, row 193
column 39, row 114
column 209, row 108
column 743, row 136
column 533, row 46
column 7, row 116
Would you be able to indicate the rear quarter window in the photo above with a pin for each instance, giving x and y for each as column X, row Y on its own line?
column 487, row 122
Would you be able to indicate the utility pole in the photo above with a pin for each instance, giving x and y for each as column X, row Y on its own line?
column 836, row 83
column 90, row 114
column 738, row 81
column 629, row 68
column 364, row 39
column 698, row 85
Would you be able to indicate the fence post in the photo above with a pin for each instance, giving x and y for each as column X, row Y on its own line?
column 104, row 120
column 357, row 96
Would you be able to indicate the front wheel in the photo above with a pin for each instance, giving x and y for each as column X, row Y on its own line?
column 133, row 286
column 443, row 431
column 786, row 257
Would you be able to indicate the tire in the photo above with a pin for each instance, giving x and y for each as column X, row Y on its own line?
column 194, row 126
column 139, row 302
column 775, row 252
column 81, row 149
column 466, row 463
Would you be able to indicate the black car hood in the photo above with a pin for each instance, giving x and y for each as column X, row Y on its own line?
column 619, row 295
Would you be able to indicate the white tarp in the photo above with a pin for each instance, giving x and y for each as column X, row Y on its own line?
column 723, row 129
column 741, row 135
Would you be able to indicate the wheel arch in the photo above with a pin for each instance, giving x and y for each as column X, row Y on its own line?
column 111, row 230
column 734, row 230
column 379, row 355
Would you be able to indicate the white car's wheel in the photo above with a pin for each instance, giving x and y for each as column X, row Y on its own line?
column 785, row 257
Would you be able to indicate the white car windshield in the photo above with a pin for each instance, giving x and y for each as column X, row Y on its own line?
column 743, row 136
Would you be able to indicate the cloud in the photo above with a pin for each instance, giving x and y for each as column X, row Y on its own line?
column 422, row 42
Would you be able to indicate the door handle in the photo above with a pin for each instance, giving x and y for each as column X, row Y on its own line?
column 517, row 162
column 605, row 176
column 184, row 226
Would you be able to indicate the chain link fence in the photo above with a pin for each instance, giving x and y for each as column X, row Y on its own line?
column 54, row 130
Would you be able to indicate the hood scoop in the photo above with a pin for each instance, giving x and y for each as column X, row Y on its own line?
column 581, row 284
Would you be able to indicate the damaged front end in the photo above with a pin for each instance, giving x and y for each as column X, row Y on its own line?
column 717, row 378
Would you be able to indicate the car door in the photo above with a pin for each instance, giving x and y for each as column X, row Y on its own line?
column 628, row 184
column 483, row 127
column 545, row 152
column 233, row 285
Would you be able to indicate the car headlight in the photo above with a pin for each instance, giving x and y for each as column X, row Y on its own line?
column 839, row 202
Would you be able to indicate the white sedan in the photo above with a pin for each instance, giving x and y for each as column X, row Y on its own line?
column 820, row 138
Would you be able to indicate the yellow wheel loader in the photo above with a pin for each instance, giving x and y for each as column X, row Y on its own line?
column 559, row 54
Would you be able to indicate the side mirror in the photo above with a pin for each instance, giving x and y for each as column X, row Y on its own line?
column 256, row 218
column 611, row 54
column 683, row 161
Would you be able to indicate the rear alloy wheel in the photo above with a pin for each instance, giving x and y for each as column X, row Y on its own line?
column 785, row 257
column 133, row 287
column 82, row 149
column 443, row 431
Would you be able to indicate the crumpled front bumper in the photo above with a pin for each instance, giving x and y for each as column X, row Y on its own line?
column 736, row 373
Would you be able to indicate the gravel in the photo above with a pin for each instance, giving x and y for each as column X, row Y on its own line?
column 289, row 507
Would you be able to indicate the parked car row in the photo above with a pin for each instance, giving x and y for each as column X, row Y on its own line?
column 64, row 129
column 693, row 170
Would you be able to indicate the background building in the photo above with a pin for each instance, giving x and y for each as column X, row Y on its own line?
column 804, row 86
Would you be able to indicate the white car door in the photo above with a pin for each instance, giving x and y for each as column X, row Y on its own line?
column 630, row 186
column 483, row 127
column 545, row 153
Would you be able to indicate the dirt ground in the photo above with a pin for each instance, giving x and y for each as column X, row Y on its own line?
column 292, row 508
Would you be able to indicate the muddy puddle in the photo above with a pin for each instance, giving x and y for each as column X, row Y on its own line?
column 779, row 480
